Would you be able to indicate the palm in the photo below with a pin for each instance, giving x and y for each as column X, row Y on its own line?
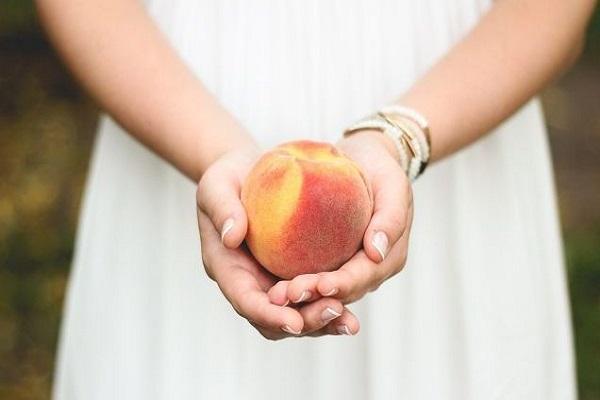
column 392, row 216
column 243, row 281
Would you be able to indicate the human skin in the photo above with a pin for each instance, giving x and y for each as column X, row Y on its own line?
column 146, row 87
column 539, row 38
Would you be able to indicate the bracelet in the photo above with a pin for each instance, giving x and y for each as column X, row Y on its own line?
column 419, row 136
column 418, row 163
column 412, row 115
column 409, row 132
column 384, row 127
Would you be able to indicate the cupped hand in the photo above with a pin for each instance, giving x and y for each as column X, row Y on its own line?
column 385, row 242
column 222, row 222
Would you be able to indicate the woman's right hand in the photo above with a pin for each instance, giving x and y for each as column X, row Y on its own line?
column 244, row 282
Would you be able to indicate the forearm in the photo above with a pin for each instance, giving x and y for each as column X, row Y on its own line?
column 119, row 55
column 515, row 50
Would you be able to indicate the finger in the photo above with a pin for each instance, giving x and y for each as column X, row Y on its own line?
column 346, row 324
column 218, row 195
column 241, row 286
column 392, row 197
column 303, row 288
column 213, row 250
column 353, row 279
column 272, row 334
column 320, row 313
column 250, row 301
column 278, row 293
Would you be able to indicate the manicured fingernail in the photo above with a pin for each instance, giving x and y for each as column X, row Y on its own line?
column 344, row 330
column 329, row 314
column 288, row 329
column 305, row 295
column 380, row 242
column 227, row 225
column 332, row 292
column 286, row 303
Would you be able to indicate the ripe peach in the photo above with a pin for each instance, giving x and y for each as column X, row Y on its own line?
column 308, row 206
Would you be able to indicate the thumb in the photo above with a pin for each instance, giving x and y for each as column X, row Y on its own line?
column 218, row 195
column 392, row 197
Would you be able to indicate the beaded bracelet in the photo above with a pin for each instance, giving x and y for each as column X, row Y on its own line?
column 408, row 130
column 384, row 127
column 415, row 117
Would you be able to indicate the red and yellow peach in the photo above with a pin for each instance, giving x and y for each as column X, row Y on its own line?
column 308, row 206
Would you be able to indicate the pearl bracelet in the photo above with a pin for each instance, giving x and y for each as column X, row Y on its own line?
column 409, row 132
column 417, row 118
column 384, row 127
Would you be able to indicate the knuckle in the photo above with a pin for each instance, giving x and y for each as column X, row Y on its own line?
column 268, row 335
column 313, row 324
column 202, row 185
column 236, row 307
column 261, row 312
column 398, row 266
column 371, row 273
column 387, row 276
column 265, row 333
column 375, row 287
column 205, row 260
column 207, row 267
column 397, row 222
column 209, row 272
column 346, row 281
column 380, row 276
column 240, row 308
column 296, row 282
column 353, row 291
column 402, row 260
column 356, row 296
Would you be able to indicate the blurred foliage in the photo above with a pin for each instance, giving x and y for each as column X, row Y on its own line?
column 46, row 133
column 583, row 257
column 16, row 17
column 592, row 49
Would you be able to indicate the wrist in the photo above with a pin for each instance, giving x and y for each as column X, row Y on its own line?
column 407, row 129
column 370, row 138
column 240, row 156
column 230, row 140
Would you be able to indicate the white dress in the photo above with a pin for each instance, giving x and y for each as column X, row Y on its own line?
column 481, row 310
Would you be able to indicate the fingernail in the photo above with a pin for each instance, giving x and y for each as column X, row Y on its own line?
column 286, row 303
column 344, row 330
column 288, row 329
column 305, row 295
column 227, row 225
column 329, row 314
column 332, row 292
column 380, row 242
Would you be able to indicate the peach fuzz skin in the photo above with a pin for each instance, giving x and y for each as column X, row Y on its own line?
column 308, row 207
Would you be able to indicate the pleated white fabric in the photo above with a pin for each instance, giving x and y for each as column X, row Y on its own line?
column 480, row 311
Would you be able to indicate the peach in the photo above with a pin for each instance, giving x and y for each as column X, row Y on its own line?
column 308, row 207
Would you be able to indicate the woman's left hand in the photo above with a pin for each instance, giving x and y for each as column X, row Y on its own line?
column 385, row 242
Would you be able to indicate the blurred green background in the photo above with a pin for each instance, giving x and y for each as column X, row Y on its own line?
column 46, row 132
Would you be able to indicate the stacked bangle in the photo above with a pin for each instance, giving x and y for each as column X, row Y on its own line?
column 408, row 130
